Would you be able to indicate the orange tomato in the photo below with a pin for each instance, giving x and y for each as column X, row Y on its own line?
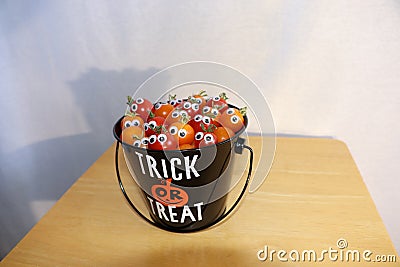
column 223, row 134
column 177, row 115
column 162, row 110
column 199, row 98
column 131, row 134
column 232, row 118
column 182, row 132
column 131, row 120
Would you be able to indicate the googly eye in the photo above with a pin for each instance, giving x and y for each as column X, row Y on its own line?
column 235, row 119
column 183, row 113
column 146, row 126
column 214, row 111
column 198, row 118
column 175, row 114
column 158, row 105
column 182, row 133
column 179, row 101
column 209, row 138
column 206, row 109
column 195, row 107
column 152, row 124
column 173, row 130
column 137, row 143
column 199, row 136
column 162, row 138
column 152, row 139
column 206, row 120
column 134, row 107
column 145, row 141
column 136, row 123
column 230, row 111
column 127, row 124
column 140, row 100
column 216, row 98
column 187, row 105
column 198, row 101
column 173, row 102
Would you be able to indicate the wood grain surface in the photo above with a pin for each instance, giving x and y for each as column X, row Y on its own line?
column 312, row 197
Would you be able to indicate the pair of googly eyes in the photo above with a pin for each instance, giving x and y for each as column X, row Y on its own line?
column 181, row 132
column 194, row 106
column 132, row 123
column 162, row 138
column 208, row 109
column 175, row 114
column 138, row 101
column 141, row 142
column 201, row 118
column 207, row 137
column 195, row 100
column 174, row 102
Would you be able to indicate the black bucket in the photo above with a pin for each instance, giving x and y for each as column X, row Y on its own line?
column 184, row 190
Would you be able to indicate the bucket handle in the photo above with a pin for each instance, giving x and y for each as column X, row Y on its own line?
column 239, row 146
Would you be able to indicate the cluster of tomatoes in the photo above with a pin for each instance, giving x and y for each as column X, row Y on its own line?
column 194, row 122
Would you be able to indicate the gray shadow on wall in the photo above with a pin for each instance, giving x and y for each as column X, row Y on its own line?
column 45, row 170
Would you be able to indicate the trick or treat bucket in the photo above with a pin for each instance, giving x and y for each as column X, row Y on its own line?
column 184, row 190
column 184, row 157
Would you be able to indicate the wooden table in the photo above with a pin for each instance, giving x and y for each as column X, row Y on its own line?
column 314, row 196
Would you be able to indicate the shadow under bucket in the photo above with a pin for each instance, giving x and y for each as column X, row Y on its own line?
column 183, row 190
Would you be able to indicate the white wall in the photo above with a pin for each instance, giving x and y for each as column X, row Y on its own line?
column 328, row 68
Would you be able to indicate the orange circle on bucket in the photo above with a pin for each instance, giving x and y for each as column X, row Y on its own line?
column 169, row 195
